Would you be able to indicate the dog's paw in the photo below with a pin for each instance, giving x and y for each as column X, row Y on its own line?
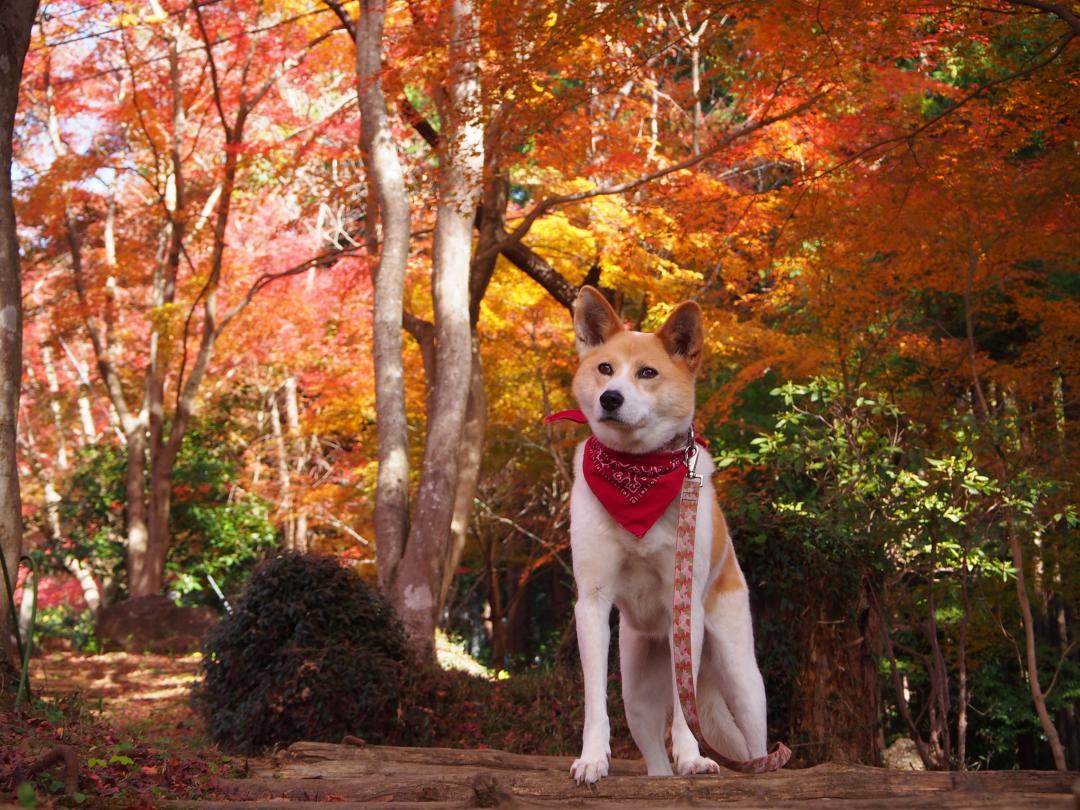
column 688, row 766
column 589, row 771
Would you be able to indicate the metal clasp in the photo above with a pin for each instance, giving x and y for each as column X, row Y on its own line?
column 690, row 457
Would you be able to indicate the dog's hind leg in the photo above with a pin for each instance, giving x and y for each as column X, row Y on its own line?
column 647, row 693
column 731, row 669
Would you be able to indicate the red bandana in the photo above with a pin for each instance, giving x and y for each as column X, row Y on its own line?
column 636, row 489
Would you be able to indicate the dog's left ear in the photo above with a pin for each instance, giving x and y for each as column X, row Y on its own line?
column 683, row 334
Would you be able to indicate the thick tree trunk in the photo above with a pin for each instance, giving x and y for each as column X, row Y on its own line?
column 140, row 579
column 418, row 580
column 158, row 508
column 491, row 218
column 838, row 696
column 385, row 175
column 15, row 24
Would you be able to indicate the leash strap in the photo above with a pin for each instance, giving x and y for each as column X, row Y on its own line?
column 684, row 663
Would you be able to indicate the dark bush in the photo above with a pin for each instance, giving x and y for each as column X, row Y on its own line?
column 310, row 652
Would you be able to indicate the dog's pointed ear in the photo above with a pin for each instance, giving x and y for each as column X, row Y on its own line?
column 594, row 320
column 683, row 334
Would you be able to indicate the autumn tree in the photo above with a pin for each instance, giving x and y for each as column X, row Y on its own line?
column 14, row 41
column 185, row 84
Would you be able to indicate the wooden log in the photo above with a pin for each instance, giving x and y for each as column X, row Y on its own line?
column 375, row 789
column 981, row 801
column 491, row 778
column 308, row 805
column 548, row 777
column 313, row 752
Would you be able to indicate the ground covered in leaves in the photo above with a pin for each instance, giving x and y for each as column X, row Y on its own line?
column 118, row 730
column 111, row 730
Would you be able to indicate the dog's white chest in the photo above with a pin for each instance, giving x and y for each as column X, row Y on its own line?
column 635, row 573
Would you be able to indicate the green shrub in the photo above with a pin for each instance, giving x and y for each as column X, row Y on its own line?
column 310, row 652
column 214, row 529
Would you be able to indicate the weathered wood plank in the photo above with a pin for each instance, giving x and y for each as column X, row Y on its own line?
column 959, row 802
column 360, row 790
column 358, row 776
column 313, row 752
column 314, row 805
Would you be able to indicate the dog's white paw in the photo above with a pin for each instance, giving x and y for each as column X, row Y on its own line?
column 688, row 766
column 589, row 771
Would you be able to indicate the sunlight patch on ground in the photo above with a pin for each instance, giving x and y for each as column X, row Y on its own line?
column 453, row 655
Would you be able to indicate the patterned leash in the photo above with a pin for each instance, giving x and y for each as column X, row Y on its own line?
column 684, row 587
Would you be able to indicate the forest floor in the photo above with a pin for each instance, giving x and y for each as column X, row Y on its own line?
column 121, row 726
column 109, row 730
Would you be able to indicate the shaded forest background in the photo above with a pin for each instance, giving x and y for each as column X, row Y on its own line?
column 875, row 204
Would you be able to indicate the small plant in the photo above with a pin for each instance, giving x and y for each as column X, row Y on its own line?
column 310, row 652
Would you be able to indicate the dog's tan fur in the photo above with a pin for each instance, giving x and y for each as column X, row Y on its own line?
column 653, row 375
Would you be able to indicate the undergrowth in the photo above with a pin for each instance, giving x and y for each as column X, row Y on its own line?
column 111, row 768
column 534, row 712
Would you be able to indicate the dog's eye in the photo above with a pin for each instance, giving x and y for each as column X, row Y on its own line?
column 646, row 372
column 605, row 369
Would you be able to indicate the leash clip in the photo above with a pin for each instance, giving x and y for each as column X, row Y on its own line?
column 690, row 457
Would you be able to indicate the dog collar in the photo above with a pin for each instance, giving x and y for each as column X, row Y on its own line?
column 635, row 488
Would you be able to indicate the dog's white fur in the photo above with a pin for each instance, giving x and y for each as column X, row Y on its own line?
column 613, row 567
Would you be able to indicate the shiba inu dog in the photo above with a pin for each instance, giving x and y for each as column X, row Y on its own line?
column 636, row 391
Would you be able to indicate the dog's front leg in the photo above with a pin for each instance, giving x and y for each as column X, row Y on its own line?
column 591, row 614
column 684, row 746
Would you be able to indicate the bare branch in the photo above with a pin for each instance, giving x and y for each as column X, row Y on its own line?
column 214, row 81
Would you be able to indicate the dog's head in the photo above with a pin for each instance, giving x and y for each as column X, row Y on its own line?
column 636, row 389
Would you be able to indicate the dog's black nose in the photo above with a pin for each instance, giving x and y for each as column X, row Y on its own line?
column 611, row 400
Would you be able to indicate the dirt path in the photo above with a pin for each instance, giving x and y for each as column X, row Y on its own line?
column 143, row 695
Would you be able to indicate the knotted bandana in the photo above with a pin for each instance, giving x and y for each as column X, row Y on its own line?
column 635, row 489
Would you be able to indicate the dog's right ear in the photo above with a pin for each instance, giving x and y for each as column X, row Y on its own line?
column 594, row 320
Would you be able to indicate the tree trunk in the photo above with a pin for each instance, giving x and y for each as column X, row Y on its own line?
column 15, row 25
column 140, row 579
column 491, row 216
column 418, row 580
column 385, row 175
column 982, row 414
column 838, row 699
column 469, row 459
column 298, row 520
column 158, row 508
column 285, row 500
column 1038, row 697
column 964, row 697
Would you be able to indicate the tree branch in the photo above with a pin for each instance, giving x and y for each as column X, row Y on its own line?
column 909, row 137
column 750, row 125
column 342, row 15
column 1063, row 13
column 268, row 278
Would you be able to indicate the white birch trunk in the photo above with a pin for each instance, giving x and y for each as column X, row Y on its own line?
column 285, row 501
column 386, row 177
column 299, row 459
